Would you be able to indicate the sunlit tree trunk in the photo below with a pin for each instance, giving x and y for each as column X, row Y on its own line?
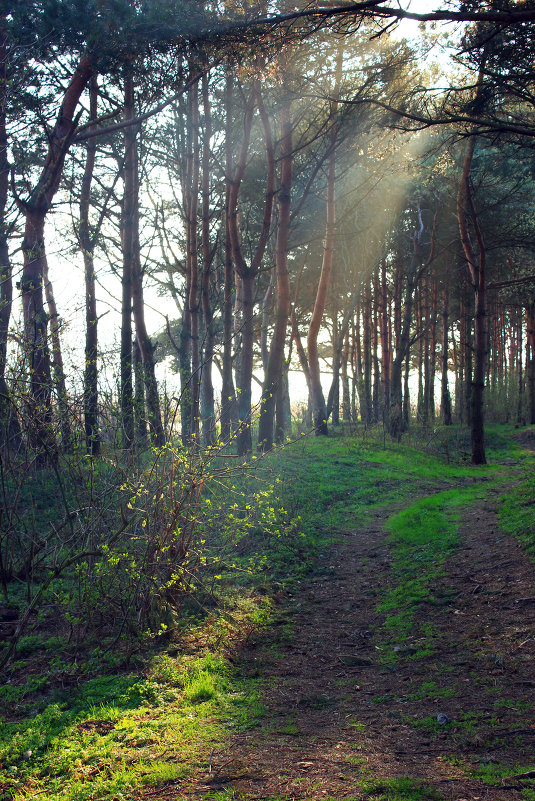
column 346, row 397
column 385, row 343
column 318, row 400
column 366, row 400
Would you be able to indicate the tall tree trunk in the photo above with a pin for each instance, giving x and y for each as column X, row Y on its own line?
column 10, row 435
column 87, row 244
column 185, row 372
column 146, row 347
column 433, row 349
column 366, row 401
column 396, row 416
column 228, row 398
column 128, row 244
column 248, row 272
column 140, row 417
column 477, row 268
column 300, row 351
column 530, row 336
column 245, row 441
column 385, row 343
column 421, row 322
column 346, row 398
column 520, row 375
column 318, row 400
column 445, row 393
column 207, row 385
column 406, row 409
column 193, row 263
column 35, row 209
column 274, row 374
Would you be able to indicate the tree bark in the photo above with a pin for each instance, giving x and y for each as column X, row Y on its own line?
column 57, row 363
column 477, row 268
column 35, row 209
column 248, row 273
column 207, row 385
column 318, row 400
column 530, row 335
column 87, row 244
column 228, row 398
column 128, row 243
column 445, row 392
column 273, row 377
column 10, row 435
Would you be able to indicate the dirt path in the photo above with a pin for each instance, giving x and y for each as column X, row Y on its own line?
column 338, row 718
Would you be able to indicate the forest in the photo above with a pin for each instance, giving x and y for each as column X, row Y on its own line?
column 267, row 400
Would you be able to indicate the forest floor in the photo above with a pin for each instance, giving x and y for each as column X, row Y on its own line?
column 384, row 653
column 361, row 704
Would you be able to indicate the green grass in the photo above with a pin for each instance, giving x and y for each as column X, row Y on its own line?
column 399, row 789
column 517, row 514
column 493, row 773
column 422, row 537
column 118, row 732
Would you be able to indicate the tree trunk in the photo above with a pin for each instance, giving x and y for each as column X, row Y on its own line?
column 35, row 334
column 128, row 243
column 185, row 373
column 318, row 400
column 433, row 349
column 346, row 398
column 530, row 332
column 35, row 210
column 385, row 349
column 445, row 393
column 520, row 375
column 87, row 244
column 207, row 385
column 274, row 373
column 245, row 442
column 228, row 398
column 366, row 401
column 140, row 417
column 193, row 263
column 477, row 267
column 396, row 416
column 57, row 363
column 249, row 272
column 10, row 435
